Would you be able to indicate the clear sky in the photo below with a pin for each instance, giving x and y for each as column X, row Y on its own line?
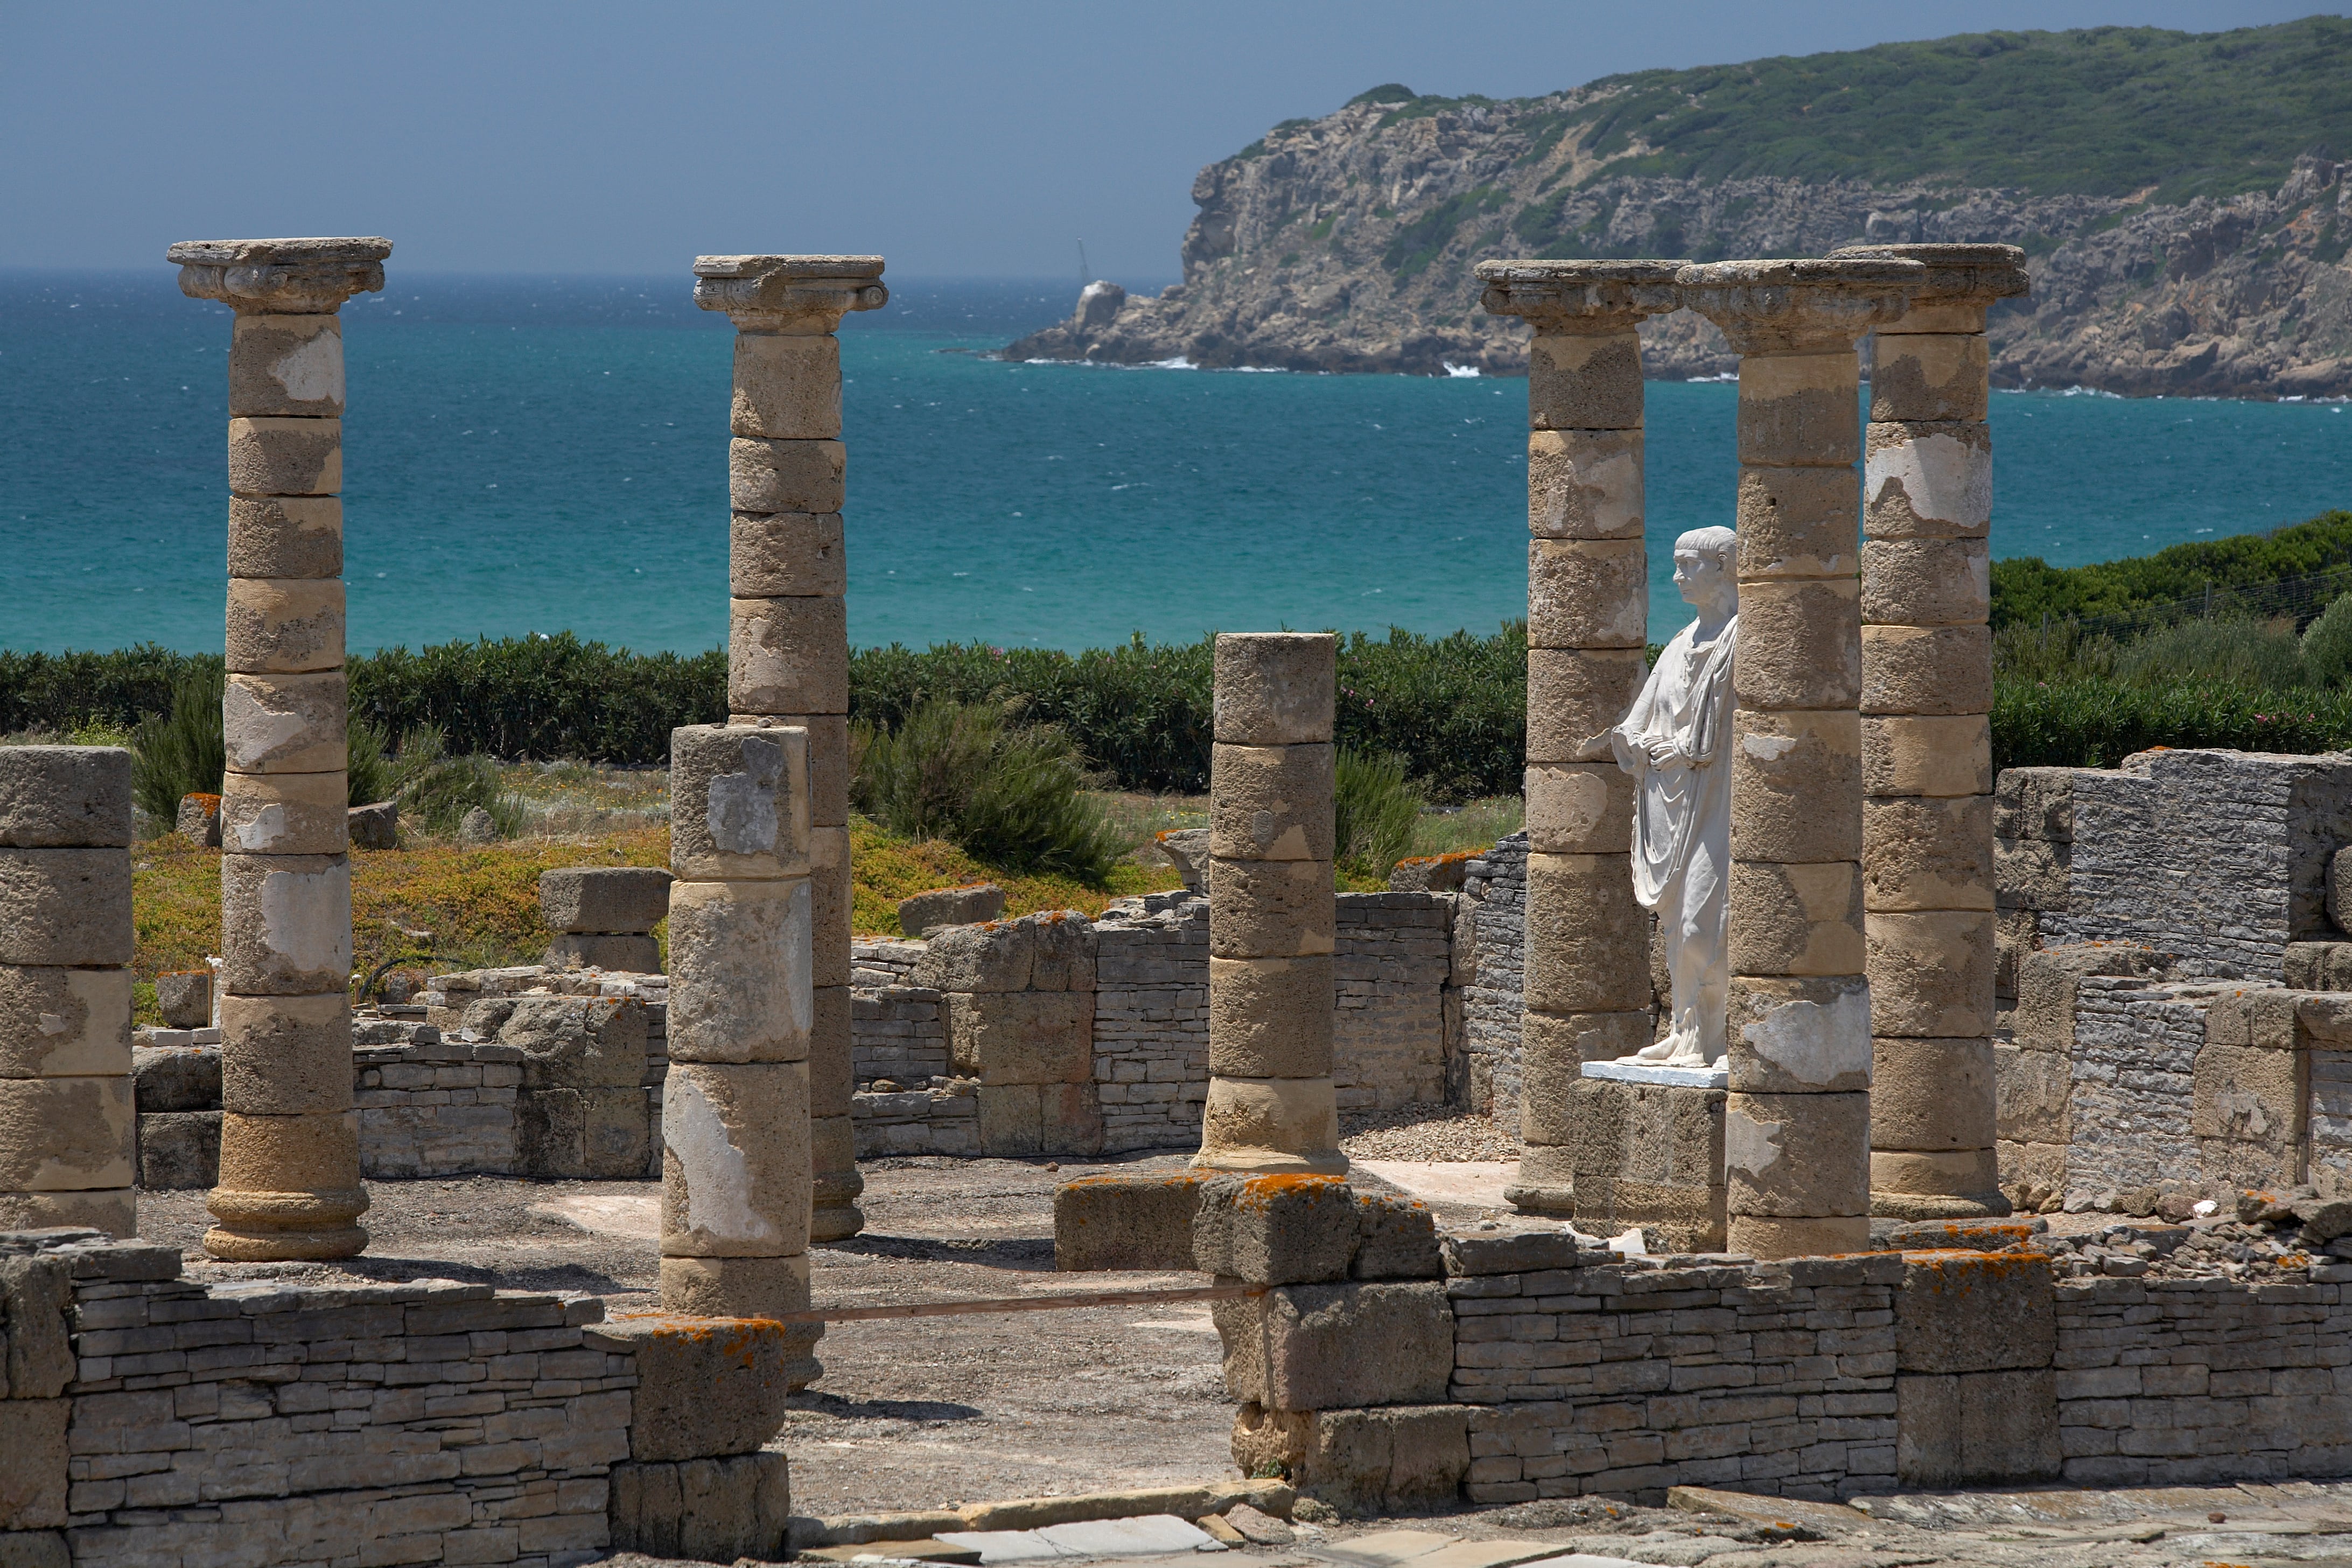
column 956, row 140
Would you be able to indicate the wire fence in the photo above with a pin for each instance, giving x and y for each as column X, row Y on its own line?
column 2303, row 598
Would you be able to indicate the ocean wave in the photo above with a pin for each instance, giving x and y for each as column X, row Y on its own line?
column 1460, row 372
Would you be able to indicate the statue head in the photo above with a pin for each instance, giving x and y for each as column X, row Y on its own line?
column 1706, row 569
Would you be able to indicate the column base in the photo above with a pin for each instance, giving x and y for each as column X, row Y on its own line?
column 262, row 1244
column 1939, row 1205
column 1546, row 1184
column 1272, row 1162
column 286, row 1227
column 1768, row 1236
column 1552, row 1202
column 834, row 1215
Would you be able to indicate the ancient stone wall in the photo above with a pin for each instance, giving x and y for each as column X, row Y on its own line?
column 1151, row 1022
column 1494, row 890
column 1391, row 961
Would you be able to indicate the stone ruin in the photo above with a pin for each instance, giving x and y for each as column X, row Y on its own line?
column 2087, row 989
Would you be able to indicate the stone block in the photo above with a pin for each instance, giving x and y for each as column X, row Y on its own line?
column 2319, row 965
column 33, row 1481
column 376, row 826
column 113, row 1211
column 1799, row 645
column 286, row 723
column 829, row 909
column 1578, row 808
column 1797, row 1156
column 1387, row 1460
column 35, row 1549
column 787, row 388
column 1939, row 754
column 199, row 820
column 2032, row 1090
column 1275, row 1230
column 185, row 998
column 1023, row 1038
column 179, row 1149
column 1396, row 1239
column 176, row 1078
column 1270, row 908
column 1799, row 408
column 1796, row 786
column 828, row 749
column 286, row 1055
column 1975, row 1311
column 706, row 1387
column 997, row 956
column 58, row 1022
column 285, row 924
column 1653, row 1134
column 1932, row 376
column 764, row 476
column 1274, row 688
column 39, row 1360
column 1270, row 1017
column 611, row 950
column 1584, row 484
column 736, row 1286
column 1129, row 1221
column 1798, row 522
column 65, row 1134
column 1932, row 1094
column 1592, row 954
column 788, row 655
column 585, row 899
column 278, row 624
column 285, row 814
column 1266, row 1122
column 1022, row 1119
column 1898, row 1176
column 1677, row 1217
column 969, row 905
column 578, row 1042
column 1799, row 1035
column 583, row 1134
column 285, row 536
column 64, row 907
column 740, row 957
column 1977, row 1430
column 786, row 554
column 707, row 1511
column 1322, row 1347
column 1271, row 802
column 1553, row 1049
column 1925, row 581
column 1931, row 972
column 1575, row 696
column 1778, row 1236
column 1584, row 380
column 1924, row 854
column 2015, row 932
column 266, row 1154
column 289, row 366
column 65, row 797
column 1921, row 670
column 739, row 803
column 2048, row 980
column 1587, row 592
column 2032, row 873
column 2252, row 1095
column 280, row 456
column 1795, row 919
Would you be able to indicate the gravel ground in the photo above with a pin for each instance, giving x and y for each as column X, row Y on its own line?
column 1425, row 1133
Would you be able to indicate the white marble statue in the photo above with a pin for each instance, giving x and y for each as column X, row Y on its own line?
column 1677, row 743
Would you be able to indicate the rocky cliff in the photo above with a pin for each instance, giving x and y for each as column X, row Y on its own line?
column 1346, row 243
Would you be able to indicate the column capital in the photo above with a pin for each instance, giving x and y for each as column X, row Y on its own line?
column 1962, row 280
column 1799, row 306
column 280, row 276
column 792, row 294
column 1582, row 296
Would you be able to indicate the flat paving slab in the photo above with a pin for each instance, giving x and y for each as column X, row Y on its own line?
column 1473, row 1184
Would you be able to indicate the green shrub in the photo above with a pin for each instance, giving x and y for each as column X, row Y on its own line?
column 541, row 697
column 182, row 751
column 2327, row 645
column 2097, row 723
column 2025, row 590
column 436, row 790
column 2259, row 656
column 367, row 774
column 1375, row 814
column 1011, row 797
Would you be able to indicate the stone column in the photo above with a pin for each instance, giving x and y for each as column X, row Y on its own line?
column 67, row 1121
column 735, row 1104
column 1586, row 965
column 1927, row 693
column 788, row 640
column 1797, row 1123
column 289, row 1165
column 1272, row 911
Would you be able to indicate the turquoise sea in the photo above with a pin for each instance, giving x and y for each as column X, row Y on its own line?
column 529, row 455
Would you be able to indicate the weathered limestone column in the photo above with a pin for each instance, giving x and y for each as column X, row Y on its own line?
column 1587, row 951
column 1797, row 1123
column 1272, row 913
column 66, row 1123
column 289, row 1165
column 788, row 643
column 735, row 1106
column 1927, row 693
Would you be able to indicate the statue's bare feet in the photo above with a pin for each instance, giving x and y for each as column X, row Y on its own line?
column 1656, row 1053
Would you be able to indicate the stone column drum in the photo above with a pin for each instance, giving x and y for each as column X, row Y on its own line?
column 67, row 1121
column 788, row 642
column 1927, row 693
column 1796, row 1122
column 1587, row 951
column 289, row 1166
column 735, row 1104
column 1273, row 915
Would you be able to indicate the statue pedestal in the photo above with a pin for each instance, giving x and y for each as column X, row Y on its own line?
column 1649, row 1152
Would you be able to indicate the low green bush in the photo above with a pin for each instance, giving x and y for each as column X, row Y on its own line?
column 1012, row 795
column 181, row 751
column 1375, row 812
column 436, row 790
column 2026, row 590
column 2093, row 723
